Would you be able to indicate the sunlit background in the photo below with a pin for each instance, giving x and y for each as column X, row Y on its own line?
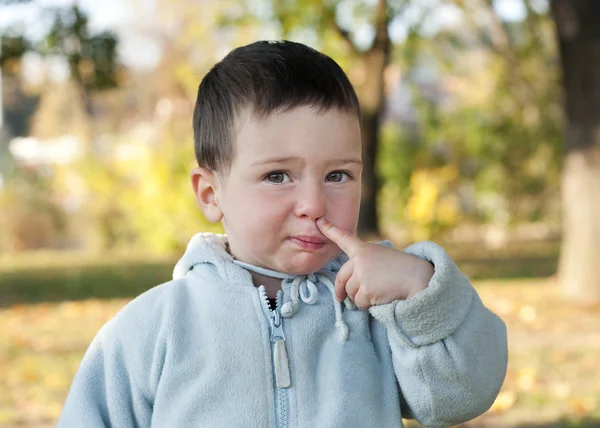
column 463, row 114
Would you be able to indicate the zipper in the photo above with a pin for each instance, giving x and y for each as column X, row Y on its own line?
column 281, row 365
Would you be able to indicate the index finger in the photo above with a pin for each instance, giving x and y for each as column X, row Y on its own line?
column 347, row 242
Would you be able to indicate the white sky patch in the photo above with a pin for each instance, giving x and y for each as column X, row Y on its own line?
column 540, row 6
column 140, row 52
column 34, row 71
column 106, row 14
column 30, row 16
column 510, row 10
column 33, row 20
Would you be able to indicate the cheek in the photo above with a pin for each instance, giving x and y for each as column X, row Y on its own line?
column 343, row 210
column 257, row 212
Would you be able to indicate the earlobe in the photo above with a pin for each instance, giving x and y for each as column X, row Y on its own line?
column 205, row 188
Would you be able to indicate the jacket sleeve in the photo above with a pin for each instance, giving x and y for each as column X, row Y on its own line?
column 106, row 390
column 449, row 351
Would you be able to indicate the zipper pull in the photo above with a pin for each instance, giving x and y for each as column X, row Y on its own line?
column 280, row 357
column 282, row 365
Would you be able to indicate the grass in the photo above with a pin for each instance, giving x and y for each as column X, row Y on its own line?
column 55, row 278
column 52, row 306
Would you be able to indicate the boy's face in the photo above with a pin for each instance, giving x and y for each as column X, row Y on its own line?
column 290, row 169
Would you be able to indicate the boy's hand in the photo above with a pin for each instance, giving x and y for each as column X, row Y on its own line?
column 375, row 274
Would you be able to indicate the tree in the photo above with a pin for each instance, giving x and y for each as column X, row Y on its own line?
column 12, row 47
column 504, row 127
column 577, row 23
column 91, row 59
column 372, row 100
column 64, row 108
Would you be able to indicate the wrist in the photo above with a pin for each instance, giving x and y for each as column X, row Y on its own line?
column 422, row 277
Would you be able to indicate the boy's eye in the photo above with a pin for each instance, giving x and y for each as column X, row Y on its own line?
column 278, row 177
column 338, row 176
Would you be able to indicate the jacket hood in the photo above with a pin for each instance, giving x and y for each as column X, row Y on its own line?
column 212, row 249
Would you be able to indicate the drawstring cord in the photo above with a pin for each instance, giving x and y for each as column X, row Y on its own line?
column 304, row 288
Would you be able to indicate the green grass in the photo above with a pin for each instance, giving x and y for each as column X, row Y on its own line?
column 518, row 260
column 80, row 277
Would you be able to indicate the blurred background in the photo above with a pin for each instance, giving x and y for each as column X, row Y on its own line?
column 481, row 124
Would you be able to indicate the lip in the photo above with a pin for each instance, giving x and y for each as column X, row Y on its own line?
column 308, row 242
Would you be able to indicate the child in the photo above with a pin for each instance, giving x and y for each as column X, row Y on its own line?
column 290, row 320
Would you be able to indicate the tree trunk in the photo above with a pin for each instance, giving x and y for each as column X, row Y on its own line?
column 578, row 24
column 372, row 101
column 368, row 221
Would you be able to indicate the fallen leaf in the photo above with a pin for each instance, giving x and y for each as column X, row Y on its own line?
column 504, row 401
column 561, row 389
column 528, row 314
column 526, row 378
column 582, row 405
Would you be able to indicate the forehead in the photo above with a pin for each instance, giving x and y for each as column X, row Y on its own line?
column 304, row 132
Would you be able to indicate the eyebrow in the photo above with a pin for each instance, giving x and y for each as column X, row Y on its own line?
column 276, row 159
column 283, row 159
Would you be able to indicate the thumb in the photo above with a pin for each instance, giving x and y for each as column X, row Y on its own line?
column 347, row 242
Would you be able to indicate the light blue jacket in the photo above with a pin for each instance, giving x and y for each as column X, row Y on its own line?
column 204, row 350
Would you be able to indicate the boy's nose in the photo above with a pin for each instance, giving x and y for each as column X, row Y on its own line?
column 311, row 202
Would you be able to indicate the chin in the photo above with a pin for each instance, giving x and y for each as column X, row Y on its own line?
column 309, row 265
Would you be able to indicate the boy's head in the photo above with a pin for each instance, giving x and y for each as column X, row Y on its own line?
column 262, row 78
column 277, row 140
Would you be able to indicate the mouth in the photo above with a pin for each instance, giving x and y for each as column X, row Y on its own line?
column 308, row 242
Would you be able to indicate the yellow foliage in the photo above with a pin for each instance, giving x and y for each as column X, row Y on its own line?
column 421, row 204
column 432, row 202
column 188, row 76
column 448, row 210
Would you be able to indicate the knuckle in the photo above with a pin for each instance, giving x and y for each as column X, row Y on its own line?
column 360, row 257
column 361, row 277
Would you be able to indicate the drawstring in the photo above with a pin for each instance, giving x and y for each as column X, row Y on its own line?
column 342, row 328
column 304, row 288
column 301, row 285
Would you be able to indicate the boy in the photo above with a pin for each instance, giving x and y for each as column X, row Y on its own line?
column 289, row 320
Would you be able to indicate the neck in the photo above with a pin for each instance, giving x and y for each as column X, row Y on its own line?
column 272, row 285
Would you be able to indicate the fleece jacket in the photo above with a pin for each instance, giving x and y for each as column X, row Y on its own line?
column 204, row 350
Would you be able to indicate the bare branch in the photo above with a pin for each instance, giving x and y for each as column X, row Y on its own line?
column 506, row 49
column 382, row 21
column 499, row 32
column 500, row 43
column 343, row 33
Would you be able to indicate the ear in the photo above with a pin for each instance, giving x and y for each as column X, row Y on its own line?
column 204, row 183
